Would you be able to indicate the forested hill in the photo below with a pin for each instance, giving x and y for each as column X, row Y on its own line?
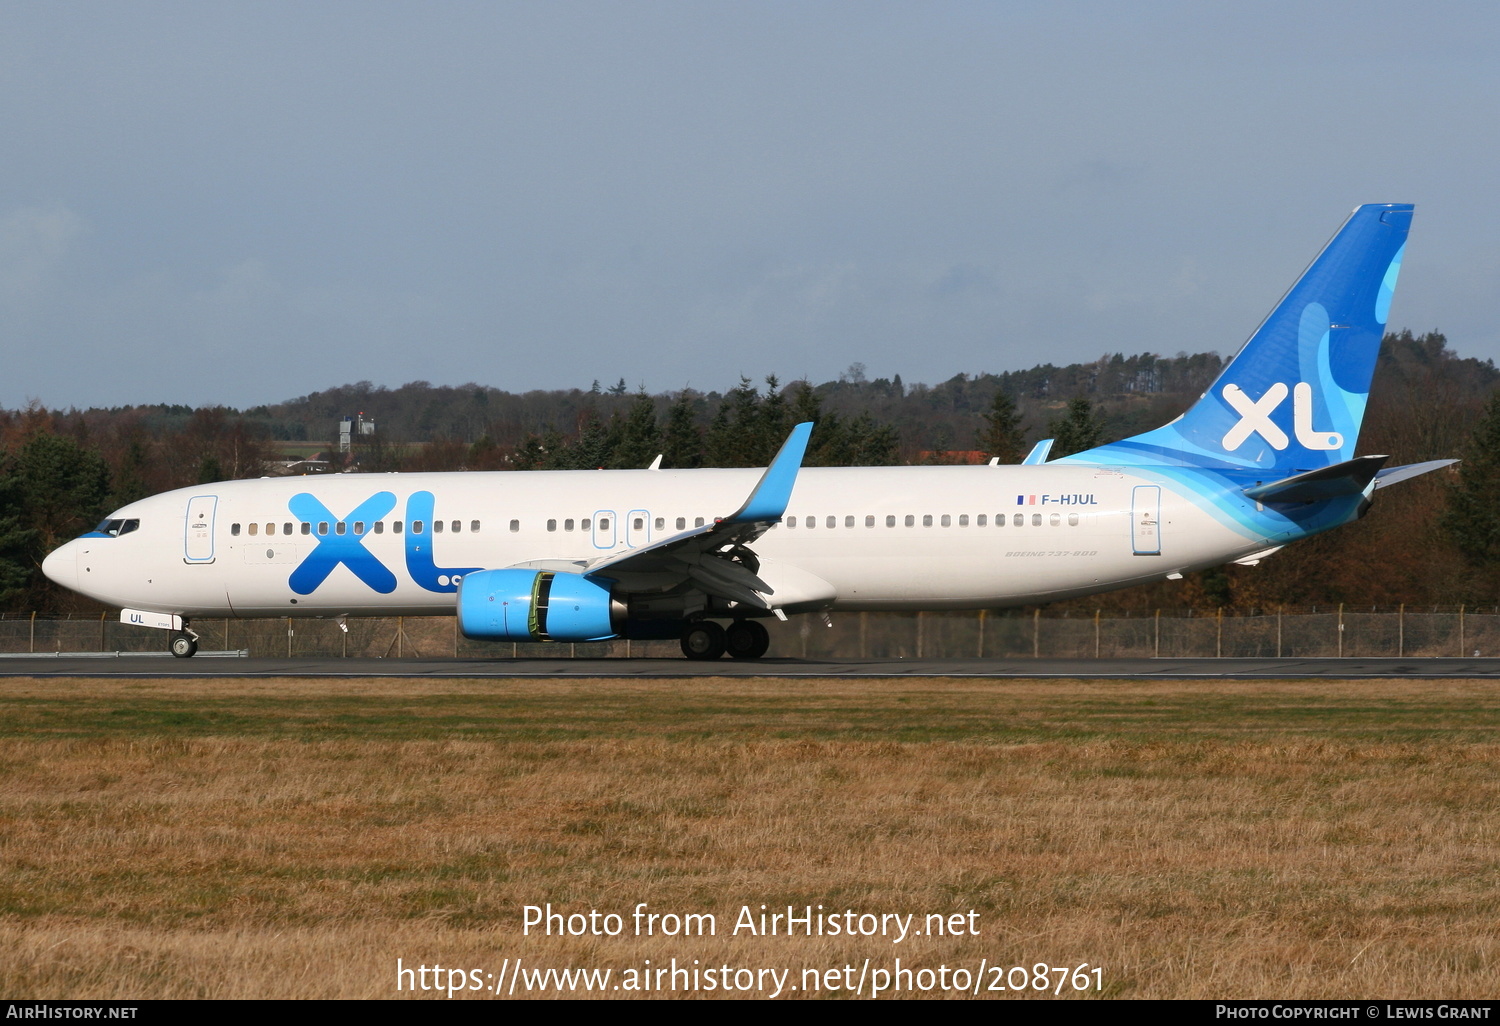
column 60, row 471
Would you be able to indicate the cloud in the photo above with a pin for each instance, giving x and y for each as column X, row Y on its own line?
column 34, row 243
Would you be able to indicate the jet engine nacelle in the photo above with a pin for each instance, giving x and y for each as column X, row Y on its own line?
column 530, row 605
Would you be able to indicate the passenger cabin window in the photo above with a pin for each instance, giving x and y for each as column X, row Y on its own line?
column 416, row 527
column 473, row 527
column 979, row 521
column 583, row 525
column 396, row 526
column 1055, row 519
column 306, row 527
column 380, row 527
column 457, row 526
column 911, row 521
column 437, row 527
column 286, row 528
column 359, row 527
column 698, row 522
column 639, row 524
column 870, row 520
column 568, row 524
column 947, row 520
column 1072, row 519
column 681, row 523
column 1019, row 520
column 253, row 529
column 552, row 525
column 661, row 523
column 340, row 528
column 963, row 520
column 1036, row 520
column 890, row 521
column 270, row 529
column 791, row 521
column 234, row 529
column 515, row 525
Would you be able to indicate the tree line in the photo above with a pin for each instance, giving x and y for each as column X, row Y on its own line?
column 1434, row 539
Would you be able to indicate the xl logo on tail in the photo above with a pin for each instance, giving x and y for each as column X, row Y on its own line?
column 1255, row 418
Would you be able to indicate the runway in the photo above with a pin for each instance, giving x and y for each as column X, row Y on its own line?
column 207, row 666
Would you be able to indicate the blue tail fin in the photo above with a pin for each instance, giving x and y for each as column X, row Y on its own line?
column 1292, row 399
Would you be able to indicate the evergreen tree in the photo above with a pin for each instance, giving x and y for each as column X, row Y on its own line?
column 734, row 436
column 640, row 438
column 209, row 470
column 1001, row 435
column 772, row 425
column 1076, row 430
column 594, row 447
column 63, row 488
column 17, row 542
column 1472, row 519
column 681, row 443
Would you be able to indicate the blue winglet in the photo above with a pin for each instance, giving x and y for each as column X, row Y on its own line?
column 774, row 491
column 1038, row 454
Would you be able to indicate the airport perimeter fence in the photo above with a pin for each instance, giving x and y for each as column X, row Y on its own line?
column 1321, row 632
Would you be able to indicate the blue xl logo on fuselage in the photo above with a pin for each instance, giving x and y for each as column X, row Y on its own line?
column 349, row 548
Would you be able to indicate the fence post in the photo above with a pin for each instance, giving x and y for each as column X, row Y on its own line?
column 982, row 613
column 101, row 632
column 921, row 622
column 400, row 634
column 1036, row 634
column 1219, row 636
column 863, row 620
column 1401, row 630
column 1278, row 630
column 289, row 637
column 1341, row 630
column 1460, row 632
column 1157, row 647
column 33, row 632
column 226, row 635
column 1096, row 632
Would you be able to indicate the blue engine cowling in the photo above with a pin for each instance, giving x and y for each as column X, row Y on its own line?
column 531, row 605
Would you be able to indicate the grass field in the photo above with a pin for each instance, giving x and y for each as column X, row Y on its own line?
column 293, row 838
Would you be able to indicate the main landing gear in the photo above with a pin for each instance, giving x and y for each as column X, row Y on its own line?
column 744, row 639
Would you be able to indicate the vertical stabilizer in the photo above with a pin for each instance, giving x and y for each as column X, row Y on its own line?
column 1293, row 397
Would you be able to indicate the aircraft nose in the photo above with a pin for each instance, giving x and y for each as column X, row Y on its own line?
column 61, row 566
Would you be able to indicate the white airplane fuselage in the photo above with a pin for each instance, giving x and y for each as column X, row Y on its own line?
column 885, row 538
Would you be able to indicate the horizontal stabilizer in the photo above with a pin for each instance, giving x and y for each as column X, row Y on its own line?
column 1348, row 478
column 1391, row 475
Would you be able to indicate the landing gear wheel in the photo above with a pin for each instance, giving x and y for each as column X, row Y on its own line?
column 747, row 639
column 183, row 646
column 703, row 640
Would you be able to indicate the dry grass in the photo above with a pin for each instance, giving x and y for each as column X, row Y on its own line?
column 259, row 838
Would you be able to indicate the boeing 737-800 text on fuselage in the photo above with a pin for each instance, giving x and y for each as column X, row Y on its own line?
column 1265, row 457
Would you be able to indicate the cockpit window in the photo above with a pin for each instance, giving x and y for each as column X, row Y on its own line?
column 115, row 528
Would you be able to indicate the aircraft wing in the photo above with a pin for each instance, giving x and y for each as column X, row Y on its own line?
column 715, row 557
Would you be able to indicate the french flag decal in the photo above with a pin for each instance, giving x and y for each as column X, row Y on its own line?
column 1025, row 500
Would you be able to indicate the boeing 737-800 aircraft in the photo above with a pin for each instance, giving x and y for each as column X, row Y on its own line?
column 1263, row 458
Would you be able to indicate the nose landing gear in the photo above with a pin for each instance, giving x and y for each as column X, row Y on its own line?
column 184, row 644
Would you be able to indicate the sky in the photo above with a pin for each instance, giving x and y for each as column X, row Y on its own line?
column 242, row 203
